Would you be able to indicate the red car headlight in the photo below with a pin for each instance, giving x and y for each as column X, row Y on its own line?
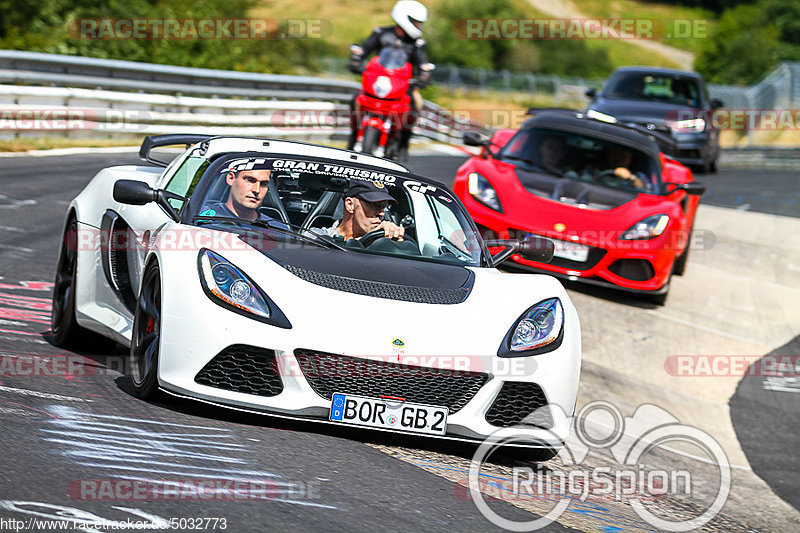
column 647, row 228
column 480, row 189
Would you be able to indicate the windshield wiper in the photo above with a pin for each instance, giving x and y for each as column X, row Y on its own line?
column 518, row 158
column 535, row 165
column 277, row 226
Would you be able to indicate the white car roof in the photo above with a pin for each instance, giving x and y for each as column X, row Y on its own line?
column 244, row 144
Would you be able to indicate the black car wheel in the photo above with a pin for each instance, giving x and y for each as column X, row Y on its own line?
column 66, row 331
column 146, row 340
column 679, row 266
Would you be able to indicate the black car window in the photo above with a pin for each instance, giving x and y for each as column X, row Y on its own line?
column 680, row 90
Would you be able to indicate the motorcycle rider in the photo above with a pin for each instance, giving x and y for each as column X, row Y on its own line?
column 409, row 17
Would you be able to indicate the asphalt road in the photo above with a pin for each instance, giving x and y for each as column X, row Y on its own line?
column 69, row 436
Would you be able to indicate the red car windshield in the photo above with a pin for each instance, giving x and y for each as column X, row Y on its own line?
column 582, row 158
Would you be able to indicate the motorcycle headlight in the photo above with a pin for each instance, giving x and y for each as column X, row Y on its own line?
column 480, row 189
column 538, row 330
column 648, row 228
column 382, row 86
column 226, row 285
column 688, row 126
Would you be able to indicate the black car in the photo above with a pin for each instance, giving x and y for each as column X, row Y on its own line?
column 668, row 100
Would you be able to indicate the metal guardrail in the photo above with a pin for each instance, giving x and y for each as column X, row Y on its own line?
column 126, row 97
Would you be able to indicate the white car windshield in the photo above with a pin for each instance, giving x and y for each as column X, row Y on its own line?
column 304, row 203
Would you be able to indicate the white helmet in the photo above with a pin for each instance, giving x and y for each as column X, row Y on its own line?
column 410, row 15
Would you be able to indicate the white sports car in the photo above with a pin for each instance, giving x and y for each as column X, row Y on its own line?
column 273, row 315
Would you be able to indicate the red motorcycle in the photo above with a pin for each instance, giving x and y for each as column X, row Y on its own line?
column 384, row 102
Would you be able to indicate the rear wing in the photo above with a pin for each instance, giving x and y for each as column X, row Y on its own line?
column 155, row 141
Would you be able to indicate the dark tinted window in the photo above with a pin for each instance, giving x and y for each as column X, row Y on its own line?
column 674, row 89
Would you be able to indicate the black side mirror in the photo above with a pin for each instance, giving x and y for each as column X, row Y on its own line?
column 134, row 192
column 472, row 138
column 697, row 189
column 535, row 248
column 591, row 92
column 532, row 248
column 716, row 103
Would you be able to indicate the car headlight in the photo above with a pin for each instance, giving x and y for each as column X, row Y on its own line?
column 597, row 115
column 226, row 285
column 540, row 329
column 693, row 125
column 648, row 228
column 480, row 189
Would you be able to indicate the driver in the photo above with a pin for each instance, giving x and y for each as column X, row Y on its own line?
column 364, row 205
column 619, row 159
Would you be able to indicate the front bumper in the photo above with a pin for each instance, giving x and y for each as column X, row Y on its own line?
column 637, row 266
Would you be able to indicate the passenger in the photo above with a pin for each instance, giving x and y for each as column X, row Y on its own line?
column 247, row 190
column 552, row 150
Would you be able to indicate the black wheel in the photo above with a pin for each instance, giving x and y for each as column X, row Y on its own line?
column 679, row 267
column 146, row 339
column 392, row 146
column 66, row 331
column 371, row 139
column 659, row 299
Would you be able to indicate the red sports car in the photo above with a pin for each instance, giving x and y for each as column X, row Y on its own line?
column 619, row 211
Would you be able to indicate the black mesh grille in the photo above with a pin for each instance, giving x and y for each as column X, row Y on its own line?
column 377, row 289
column 516, row 401
column 245, row 369
column 329, row 373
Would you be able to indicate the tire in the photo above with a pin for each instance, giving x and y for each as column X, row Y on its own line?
column 679, row 267
column 146, row 336
column 659, row 299
column 66, row 331
column 392, row 146
column 371, row 139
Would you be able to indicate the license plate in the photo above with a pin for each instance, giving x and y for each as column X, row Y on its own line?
column 389, row 414
column 571, row 250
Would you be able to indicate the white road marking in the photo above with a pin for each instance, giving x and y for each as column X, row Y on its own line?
column 700, row 327
column 38, row 394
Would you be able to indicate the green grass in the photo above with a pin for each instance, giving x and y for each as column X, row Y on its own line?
column 702, row 20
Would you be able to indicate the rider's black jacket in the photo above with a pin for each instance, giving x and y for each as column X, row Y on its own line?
column 385, row 36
